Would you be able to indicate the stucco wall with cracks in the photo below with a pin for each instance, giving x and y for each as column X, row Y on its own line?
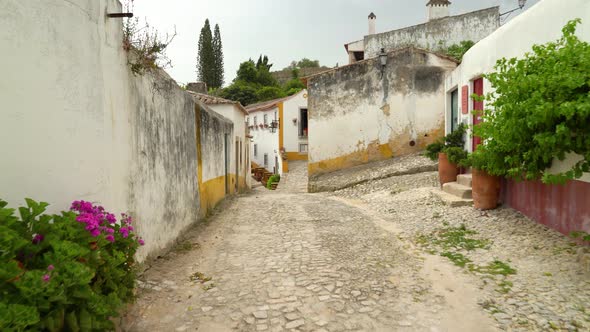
column 77, row 124
column 359, row 116
column 437, row 33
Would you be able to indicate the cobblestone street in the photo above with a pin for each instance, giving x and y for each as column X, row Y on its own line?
column 286, row 260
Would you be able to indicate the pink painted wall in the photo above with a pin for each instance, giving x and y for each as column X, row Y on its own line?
column 565, row 208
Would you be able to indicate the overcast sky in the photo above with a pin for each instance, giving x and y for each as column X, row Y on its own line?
column 285, row 30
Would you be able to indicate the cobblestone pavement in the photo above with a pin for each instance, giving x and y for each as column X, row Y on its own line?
column 289, row 261
column 550, row 289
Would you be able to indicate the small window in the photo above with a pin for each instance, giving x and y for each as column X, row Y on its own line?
column 303, row 122
column 255, row 150
column 255, row 121
column 303, row 148
column 265, row 119
column 247, row 122
column 266, row 160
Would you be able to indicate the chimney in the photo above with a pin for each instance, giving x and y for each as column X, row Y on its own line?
column 438, row 9
column 372, row 21
column 198, row 87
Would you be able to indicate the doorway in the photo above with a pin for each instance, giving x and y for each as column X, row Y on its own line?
column 477, row 109
column 226, row 155
column 454, row 110
column 237, row 179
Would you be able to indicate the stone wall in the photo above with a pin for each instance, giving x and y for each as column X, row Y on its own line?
column 436, row 34
column 359, row 114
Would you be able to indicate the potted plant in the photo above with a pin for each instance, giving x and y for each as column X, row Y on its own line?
column 448, row 168
column 487, row 170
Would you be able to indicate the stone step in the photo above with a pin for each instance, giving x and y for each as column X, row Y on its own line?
column 464, row 179
column 458, row 190
column 451, row 200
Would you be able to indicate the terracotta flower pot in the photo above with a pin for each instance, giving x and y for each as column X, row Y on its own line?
column 447, row 171
column 486, row 190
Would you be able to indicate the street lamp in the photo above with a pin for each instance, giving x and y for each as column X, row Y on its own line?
column 274, row 124
column 521, row 4
column 383, row 60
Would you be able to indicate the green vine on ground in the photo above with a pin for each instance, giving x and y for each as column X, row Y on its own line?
column 539, row 112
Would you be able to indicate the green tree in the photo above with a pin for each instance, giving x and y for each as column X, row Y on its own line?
column 270, row 93
column 307, row 63
column 218, row 59
column 206, row 56
column 241, row 91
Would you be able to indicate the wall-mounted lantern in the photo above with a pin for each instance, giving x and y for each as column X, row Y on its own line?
column 274, row 125
column 383, row 60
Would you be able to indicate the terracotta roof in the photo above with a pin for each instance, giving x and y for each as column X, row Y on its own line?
column 438, row 3
column 266, row 105
column 213, row 100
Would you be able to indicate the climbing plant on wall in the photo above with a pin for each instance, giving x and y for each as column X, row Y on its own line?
column 539, row 111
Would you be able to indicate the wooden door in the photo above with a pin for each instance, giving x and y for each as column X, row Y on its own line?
column 477, row 109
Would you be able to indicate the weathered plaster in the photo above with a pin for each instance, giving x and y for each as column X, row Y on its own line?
column 437, row 33
column 358, row 115
column 77, row 124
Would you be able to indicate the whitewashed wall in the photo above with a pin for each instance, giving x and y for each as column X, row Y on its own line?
column 448, row 31
column 77, row 124
column 291, row 107
column 540, row 24
column 359, row 115
column 266, row 141
column 238, row 118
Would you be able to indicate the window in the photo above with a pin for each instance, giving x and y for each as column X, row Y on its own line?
column 247, row 122
column 255, row 150
column 265, row 119
column 255, row 121
column 303, row 122
column 303, row 148
column 266, row 160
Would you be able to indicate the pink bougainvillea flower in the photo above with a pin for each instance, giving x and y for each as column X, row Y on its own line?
column 50, row 267
column 46, row 278
column 38, row 238
column 141, row 242
column 111, row 218
column 110, row 238
column 124, row 232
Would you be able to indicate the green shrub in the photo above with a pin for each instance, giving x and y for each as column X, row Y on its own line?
column 70, row 272
column 273, row 179
column 454, row 139
column 539, row 112
column 456, row 155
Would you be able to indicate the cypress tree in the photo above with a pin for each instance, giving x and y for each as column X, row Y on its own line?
column 206, row 56
column 218, row 54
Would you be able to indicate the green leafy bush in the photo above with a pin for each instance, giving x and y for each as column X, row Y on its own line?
column 454, row 139
column 273, row 179
column 456, row 155
column 70, row 272
column 539, row 112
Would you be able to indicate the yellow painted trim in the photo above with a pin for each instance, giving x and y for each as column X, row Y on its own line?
column 374, row 151
column 296, row 156
column 281, row 106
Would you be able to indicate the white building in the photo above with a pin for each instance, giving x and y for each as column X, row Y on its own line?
column 279, row 129
column 239, row 161
column 440, row 31
column 561, row 207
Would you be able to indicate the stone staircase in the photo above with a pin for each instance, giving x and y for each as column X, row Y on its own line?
column 456, row 193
